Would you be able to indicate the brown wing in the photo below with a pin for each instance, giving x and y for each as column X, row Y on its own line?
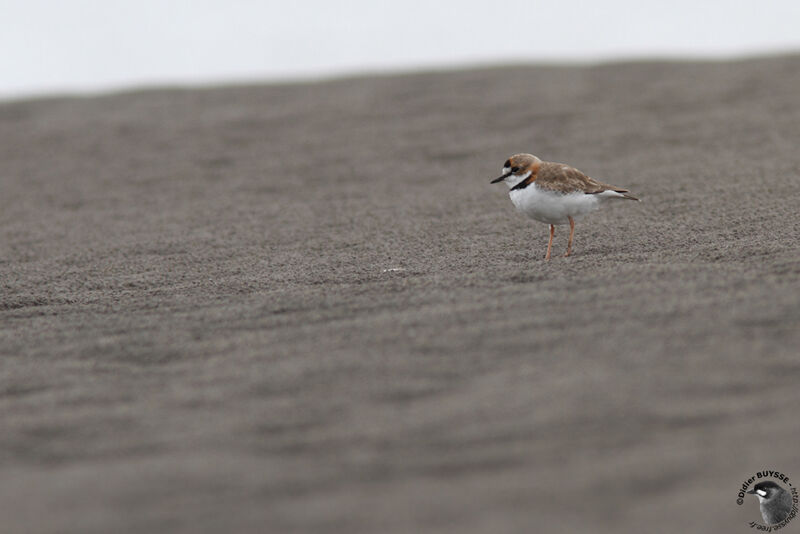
column 565, row 179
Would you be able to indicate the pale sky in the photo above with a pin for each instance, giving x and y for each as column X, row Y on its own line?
column 93, row 45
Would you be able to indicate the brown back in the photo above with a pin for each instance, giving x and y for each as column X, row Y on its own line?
column 565, row 179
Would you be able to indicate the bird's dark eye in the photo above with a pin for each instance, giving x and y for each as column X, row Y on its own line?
column 507, row 163
column 514, row 169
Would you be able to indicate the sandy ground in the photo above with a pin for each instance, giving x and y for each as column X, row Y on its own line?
column 303, row 308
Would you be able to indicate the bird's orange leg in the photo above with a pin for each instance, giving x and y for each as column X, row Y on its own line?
column 550, row 243
column 571, row 233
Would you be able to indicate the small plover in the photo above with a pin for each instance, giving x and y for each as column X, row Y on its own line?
column 775, row 502
column 554, row 193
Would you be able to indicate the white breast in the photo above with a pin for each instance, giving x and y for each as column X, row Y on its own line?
column 552, row 208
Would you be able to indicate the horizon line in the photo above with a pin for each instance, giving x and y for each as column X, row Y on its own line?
column 370, row 71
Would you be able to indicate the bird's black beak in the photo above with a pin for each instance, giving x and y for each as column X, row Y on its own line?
column 501, row 178
column 752, row 491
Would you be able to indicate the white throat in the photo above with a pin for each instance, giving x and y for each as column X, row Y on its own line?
column 514, row 179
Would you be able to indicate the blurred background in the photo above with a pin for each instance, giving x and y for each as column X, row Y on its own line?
column 93, row 45
column 303, row 308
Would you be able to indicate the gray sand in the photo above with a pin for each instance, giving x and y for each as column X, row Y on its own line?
column 303, row 308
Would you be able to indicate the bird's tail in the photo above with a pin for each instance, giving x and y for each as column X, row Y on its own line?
column 617, row 193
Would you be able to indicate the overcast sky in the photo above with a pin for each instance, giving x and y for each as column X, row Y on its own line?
column 91, row 45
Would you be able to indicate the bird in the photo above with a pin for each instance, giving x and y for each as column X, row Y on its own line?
column 775, row 502
column 554, row 193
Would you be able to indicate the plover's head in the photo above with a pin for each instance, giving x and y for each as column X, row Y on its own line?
column 517, row 168
column 766, row 491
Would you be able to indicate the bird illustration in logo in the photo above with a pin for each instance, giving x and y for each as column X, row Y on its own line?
column 775, row 502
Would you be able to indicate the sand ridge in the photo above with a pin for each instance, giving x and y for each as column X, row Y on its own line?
column 299, row 308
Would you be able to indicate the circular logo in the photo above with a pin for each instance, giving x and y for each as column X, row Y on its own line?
column 777, row 499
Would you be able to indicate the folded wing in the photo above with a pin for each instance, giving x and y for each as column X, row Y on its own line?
column 565, row 179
